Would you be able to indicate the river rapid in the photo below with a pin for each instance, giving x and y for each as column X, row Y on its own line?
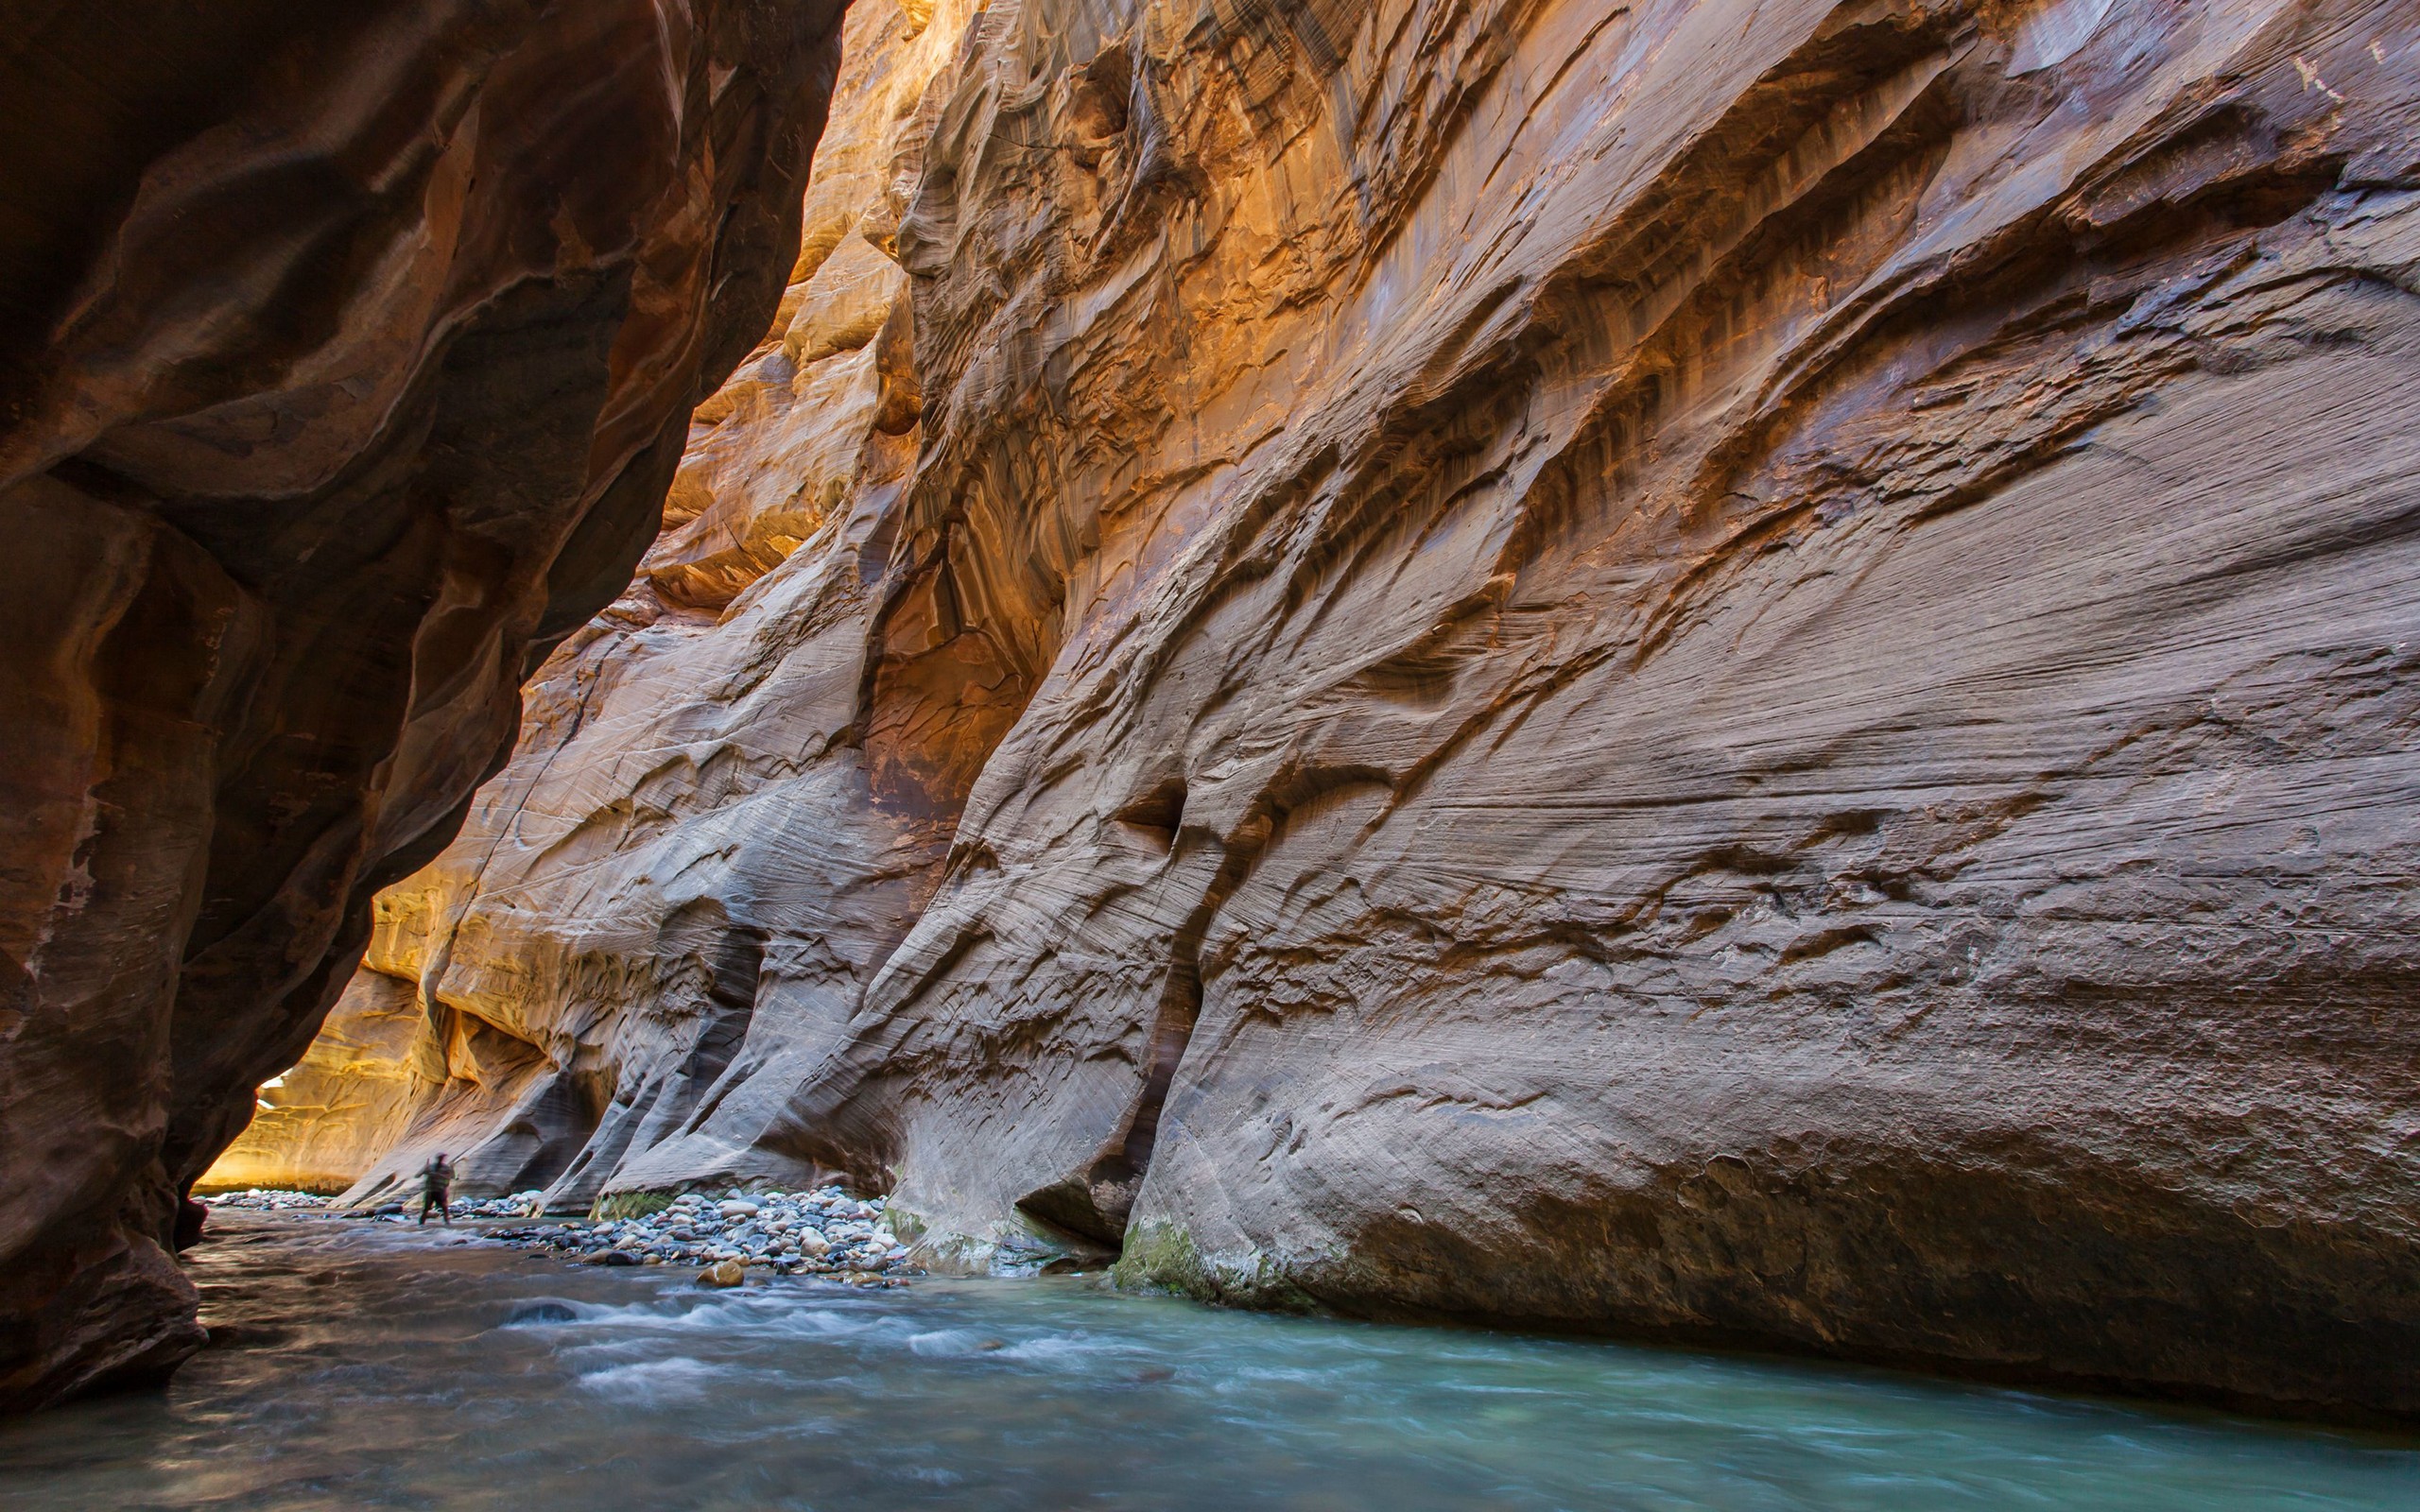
column 360, row 1365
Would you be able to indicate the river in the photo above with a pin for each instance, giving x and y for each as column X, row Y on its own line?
column 371, row 1367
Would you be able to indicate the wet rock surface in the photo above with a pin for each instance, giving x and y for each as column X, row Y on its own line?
column 346, row 356
column 1726, row 672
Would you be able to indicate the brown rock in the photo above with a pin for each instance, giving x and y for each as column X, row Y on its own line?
column 663, row 909
column 1729, row 673
column 723, row 1273
column 320, row 1123
column 348, row 353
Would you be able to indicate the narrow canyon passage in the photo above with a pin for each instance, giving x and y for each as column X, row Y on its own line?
column 367, row 1366
column 1709, row 675
column 1625, row 679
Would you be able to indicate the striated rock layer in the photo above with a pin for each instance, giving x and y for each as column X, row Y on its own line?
column 1732, row 672
column 661, row 913
column 346, row 353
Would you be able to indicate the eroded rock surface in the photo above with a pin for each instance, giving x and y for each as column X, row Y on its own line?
column 661, row 913
column 1731, row 672
column 348, row 352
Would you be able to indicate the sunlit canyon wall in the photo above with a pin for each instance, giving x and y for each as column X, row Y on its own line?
column 1735, row 672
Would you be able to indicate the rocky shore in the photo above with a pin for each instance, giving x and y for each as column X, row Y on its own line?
column 265, row 1199
column 822, row 1232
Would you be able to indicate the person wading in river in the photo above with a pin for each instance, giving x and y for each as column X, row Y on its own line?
column 435, row 1180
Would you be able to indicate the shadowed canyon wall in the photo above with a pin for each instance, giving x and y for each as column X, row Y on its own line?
column 349, row 352
column 661, row 913
column 1741, row 672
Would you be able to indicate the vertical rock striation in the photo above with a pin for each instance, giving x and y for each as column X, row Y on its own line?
column 346, row 353
column 1738, row 673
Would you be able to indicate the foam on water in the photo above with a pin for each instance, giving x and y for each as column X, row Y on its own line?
column 374, row 1367
column 653, row 1382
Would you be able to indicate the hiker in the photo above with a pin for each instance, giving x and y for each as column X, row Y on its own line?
column 436, row 1178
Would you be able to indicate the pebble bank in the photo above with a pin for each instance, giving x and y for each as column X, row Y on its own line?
column 820, row 1233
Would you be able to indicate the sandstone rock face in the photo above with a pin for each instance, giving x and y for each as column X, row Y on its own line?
column 1738, row 673
column 349, row 350
column 345, row 1104
column 661, row 913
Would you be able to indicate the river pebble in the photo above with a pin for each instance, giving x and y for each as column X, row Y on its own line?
column 821, row 1232
column 519, row 1205
column 264, row 1200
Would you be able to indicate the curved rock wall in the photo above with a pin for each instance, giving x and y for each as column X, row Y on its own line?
column 1739, row 673
column 663, row 911
column 348, row 353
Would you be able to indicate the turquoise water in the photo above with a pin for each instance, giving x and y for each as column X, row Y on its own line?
column 368, row 1366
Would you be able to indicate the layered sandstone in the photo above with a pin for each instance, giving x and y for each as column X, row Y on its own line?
column 663, row 911
column 348, row 353
column 1739, row 673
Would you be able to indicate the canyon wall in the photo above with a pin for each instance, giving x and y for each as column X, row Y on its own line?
column 1736, row 673
column 661, row 913
column 346, row 354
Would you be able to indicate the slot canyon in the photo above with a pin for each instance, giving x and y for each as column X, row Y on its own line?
column 1740, row 675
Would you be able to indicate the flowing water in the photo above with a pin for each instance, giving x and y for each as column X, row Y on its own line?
column 367, row 1366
